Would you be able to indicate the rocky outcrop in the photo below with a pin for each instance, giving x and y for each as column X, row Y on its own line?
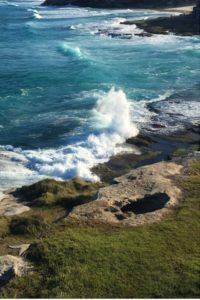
column 196, row 15
column 10, row 206
column 185, row 24
column 11, row 266
column 121, row 3
column 144, row 195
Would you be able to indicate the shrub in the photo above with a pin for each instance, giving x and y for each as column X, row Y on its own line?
column 28, row 225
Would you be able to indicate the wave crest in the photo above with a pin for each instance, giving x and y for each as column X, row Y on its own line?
column 74, row 52
column 113, row 125
column 36, row 14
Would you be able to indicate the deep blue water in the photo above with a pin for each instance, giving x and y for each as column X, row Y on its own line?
column 59, row 111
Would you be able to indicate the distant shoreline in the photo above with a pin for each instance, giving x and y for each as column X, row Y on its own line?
column 185, row 24
column 181, row 9
column 123, row 4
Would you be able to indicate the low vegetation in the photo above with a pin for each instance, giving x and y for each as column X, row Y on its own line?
column 32, row 225
column 159, row 260
column 50, row 192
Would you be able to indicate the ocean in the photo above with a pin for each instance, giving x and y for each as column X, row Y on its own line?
column 75, row 84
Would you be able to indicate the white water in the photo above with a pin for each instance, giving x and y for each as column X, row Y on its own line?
column 68, row 50
column 73, row 59
column 111, row 120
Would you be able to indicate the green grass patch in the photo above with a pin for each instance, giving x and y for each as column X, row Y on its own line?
column 50, row 192
column 32, row 225
column 158, row 260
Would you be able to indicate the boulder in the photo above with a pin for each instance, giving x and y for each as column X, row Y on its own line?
column 11, row 266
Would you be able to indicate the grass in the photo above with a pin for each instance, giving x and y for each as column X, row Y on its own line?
column 50, row 192
column 28, row 225
column 158, row 260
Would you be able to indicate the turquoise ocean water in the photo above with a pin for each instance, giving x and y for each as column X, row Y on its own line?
column 74, row 83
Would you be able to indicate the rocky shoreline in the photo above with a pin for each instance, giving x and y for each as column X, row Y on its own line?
column 157, row 151
column 185, row 24
column 112, row 4
column 135, row 233
column 143, row 196
column 135, row 191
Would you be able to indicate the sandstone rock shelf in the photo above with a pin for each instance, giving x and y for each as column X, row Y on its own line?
column 144, row 195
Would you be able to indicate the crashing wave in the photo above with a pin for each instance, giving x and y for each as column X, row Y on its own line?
column 74, row 52
column 36, row 14
column 110, row 28
column 112, row 124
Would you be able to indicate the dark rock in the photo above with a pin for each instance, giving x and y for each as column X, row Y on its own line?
column 121, row 3
column 185, row 24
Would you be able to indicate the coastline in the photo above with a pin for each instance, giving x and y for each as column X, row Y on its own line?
column 154, row 147
column 185, row 24
column 54, row 232
column 131, row 235
column 145, row 4
column 52, row 223
column 180, row 9
column 154, row 143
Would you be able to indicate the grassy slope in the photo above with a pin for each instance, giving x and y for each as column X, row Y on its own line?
column 159, row 260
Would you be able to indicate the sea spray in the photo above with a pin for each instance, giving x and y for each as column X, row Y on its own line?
column 36, row 14
column 113, row 125
column 113, row 114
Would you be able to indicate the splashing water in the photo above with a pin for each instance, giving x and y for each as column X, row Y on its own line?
column 73, row 52
column 112, row 119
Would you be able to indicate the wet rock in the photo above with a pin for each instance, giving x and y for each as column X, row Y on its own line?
column 185, row 24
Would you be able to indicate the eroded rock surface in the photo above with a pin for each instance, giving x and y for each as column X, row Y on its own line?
column 10, row 206
column 11, row 266
column 144, row 195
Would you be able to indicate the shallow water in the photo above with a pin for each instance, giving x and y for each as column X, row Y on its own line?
column 73, row 87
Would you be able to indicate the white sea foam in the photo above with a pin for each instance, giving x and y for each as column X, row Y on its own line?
column 113, row 28
column 8, row 3
column 35, row 12
column 111, row 119
column 37, row 16
column 142, row 115
column 70, row 50
column 71, row 12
